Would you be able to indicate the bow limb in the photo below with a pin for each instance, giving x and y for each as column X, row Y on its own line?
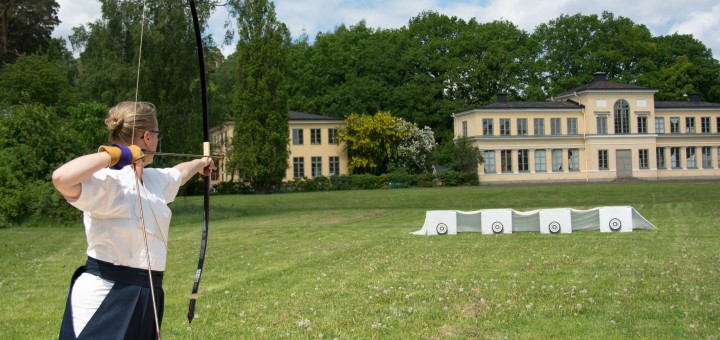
column 206, row 152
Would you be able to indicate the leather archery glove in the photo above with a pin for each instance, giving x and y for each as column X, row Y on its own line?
column 121, row 155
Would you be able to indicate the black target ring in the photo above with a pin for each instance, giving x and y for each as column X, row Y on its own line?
column 441, row 228
column 615, row 224
column 554, row 227
column 497, row 227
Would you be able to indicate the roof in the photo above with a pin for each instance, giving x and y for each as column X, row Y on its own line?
column 294, row 115
column 686, row 105
column 604, row 85
column 559, row 105
column 600, row 83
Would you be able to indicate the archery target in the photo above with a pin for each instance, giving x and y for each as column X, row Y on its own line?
column 497, row 227
column 615, row 219
column 441, row 228
column 555, row 221
column 440, row 222
column 496, row 221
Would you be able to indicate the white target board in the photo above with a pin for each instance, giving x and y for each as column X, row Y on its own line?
column 555, row 221
column 496, row 221
column 616, row 219
column 440, row 222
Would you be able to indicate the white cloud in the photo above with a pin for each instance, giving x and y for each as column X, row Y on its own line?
column 704, row 26
column 701, row 18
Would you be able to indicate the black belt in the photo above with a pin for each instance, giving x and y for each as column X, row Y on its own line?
column 122, row 274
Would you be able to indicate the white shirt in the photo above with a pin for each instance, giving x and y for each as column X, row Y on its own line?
column 114, row 220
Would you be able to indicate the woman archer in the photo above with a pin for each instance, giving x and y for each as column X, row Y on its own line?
column 118, row 293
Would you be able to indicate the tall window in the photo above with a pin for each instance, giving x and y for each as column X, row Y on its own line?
column 643, row 158
column 642, row 124
column 572, row 126
column 705, row 125
column 660, row 158
column 557, row 160
column 334, row 162
column 315, row 136
column 602, row 125
column 690, row 157
column 603, row 160
column 332, row 136
column 660, row 125
column 555, row 128
column 574, row 159
column 707, row 157
column 504, row 126
column 689, row 124
column 464, row 128
column 489, row 159
column 316, row 164
column 297, row 136
column 506, row 160
column 523, row 160
column 540, row 161
column 522, row 128
column 674, row 124
column 622, row 117
column 487, row 127
column 717, row 124
column 539, row 124
column 298, row 167
column 675, row 158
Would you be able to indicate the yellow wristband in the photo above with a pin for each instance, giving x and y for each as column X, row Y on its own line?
column 114, row 153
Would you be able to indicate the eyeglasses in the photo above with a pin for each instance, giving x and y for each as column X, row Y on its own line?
column 159, row 134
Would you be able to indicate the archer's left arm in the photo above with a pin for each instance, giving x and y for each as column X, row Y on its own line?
column 204, row 166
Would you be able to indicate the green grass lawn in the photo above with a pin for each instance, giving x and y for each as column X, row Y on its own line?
column 344, row 265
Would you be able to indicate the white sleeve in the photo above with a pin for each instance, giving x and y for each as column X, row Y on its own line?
column 104, row 194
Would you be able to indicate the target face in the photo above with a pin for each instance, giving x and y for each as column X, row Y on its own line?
column 497, row 227
column 615, row 224
column 554, row 227
column 442, row 229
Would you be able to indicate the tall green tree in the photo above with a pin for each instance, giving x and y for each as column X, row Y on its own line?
column 168, row 72
column 260, row 141
column 25, row 27
column 681, row 66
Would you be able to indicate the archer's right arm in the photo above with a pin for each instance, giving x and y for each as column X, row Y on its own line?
column 68, row 177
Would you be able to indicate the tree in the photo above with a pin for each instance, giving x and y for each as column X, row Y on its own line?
column 25, row 27
column 682, row 65
column 260, row 142
column 414, row 150
column 36, row 79
column 459, row 155
column 169, row 75
column 372, row 141
column 29, row 159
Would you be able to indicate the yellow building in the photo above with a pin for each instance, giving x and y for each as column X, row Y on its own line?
column 314, row 148
column 600, row 131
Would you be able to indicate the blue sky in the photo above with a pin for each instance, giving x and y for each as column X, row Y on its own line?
column 701, row 18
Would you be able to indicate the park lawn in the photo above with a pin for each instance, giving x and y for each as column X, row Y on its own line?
column 344, row 265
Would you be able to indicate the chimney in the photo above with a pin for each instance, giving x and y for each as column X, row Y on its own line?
column 599, row 76
column 502, row 98
column 695, row 97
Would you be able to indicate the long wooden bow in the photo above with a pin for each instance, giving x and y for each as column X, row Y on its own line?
column 206, row 152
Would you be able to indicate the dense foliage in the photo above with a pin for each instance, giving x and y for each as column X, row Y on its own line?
column 260, row 145
column 52, row 103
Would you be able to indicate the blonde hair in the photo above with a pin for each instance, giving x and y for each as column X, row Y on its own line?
column 126, row 116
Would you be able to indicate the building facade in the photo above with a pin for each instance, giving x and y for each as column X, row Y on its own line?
column 601, row 131
column 314, row 147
